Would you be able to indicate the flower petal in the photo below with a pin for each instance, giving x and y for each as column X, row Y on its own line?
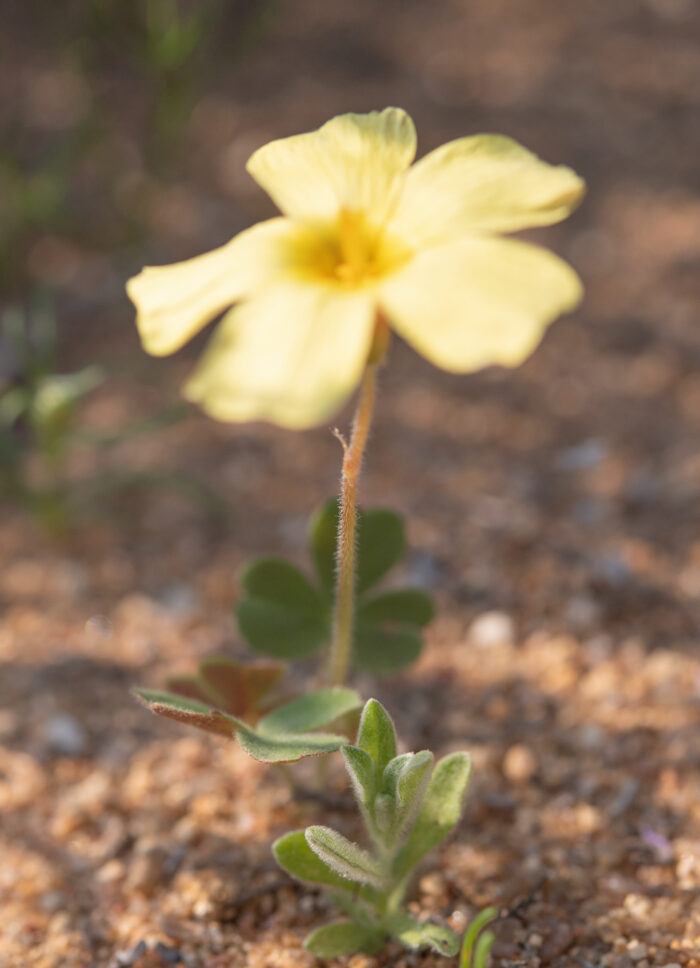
column 352, row 161
column 174, row 302
column 479, row 301
column 290, row 355
column 485, row 183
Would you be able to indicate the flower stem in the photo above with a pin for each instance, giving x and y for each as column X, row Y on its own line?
column 341, row 644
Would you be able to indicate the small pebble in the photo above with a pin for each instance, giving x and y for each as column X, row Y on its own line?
column 519, row 764
column 491, row 629
column 637, row 951
column 63, row 734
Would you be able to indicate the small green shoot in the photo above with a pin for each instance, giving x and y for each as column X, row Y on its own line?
column 476, row 947
column 286, row 616
column 408, row 806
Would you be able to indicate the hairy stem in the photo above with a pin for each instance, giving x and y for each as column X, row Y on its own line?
column 341, row 644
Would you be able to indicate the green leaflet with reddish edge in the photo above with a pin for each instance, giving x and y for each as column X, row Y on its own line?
column 270, row 741
column 188, row 711
column 242, row 686
column 234, row 687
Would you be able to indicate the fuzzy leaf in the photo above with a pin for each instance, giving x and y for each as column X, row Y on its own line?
column 189, row 711
column 261, row 744
column 344, row 857
column 410, row 782
column 360, row 767
column 439, row 812
column 294, row 855
column 282, row 616
column 380, row 650
column 404, row 606
column 343, row 938
column 420, row 934
column 286, row 748
column 310, row 711
column 376, row 734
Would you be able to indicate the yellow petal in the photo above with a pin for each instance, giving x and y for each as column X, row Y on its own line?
column 486, row 183
column 174, row 302
column 291, row 355
column 479, row 301
column 351, row 162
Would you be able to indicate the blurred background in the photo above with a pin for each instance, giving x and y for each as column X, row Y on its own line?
column 553, row 511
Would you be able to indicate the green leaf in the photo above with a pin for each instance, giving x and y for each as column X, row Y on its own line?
column 380, row 544
column 344, row 857
column 383, row 650
column 360, row 767
column 343, row 938
column 420, row 934
column 324, row 539
column 439, row 812
column 480, row 947
column 283, row 616
column 376, row 734
column 188, row 711
column 294, row 855
column 286, row 749
column 261, row 743
column 405, row 606
column 412, row 777
column 310, row 711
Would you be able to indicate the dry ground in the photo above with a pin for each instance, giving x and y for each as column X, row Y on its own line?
column 553, row 512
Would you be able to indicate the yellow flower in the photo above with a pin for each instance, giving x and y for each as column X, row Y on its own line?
column 366, row 235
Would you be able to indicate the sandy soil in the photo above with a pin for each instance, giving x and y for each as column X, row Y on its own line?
column 553, row 512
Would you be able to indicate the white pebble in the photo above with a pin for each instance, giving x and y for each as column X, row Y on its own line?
column 491, row 629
